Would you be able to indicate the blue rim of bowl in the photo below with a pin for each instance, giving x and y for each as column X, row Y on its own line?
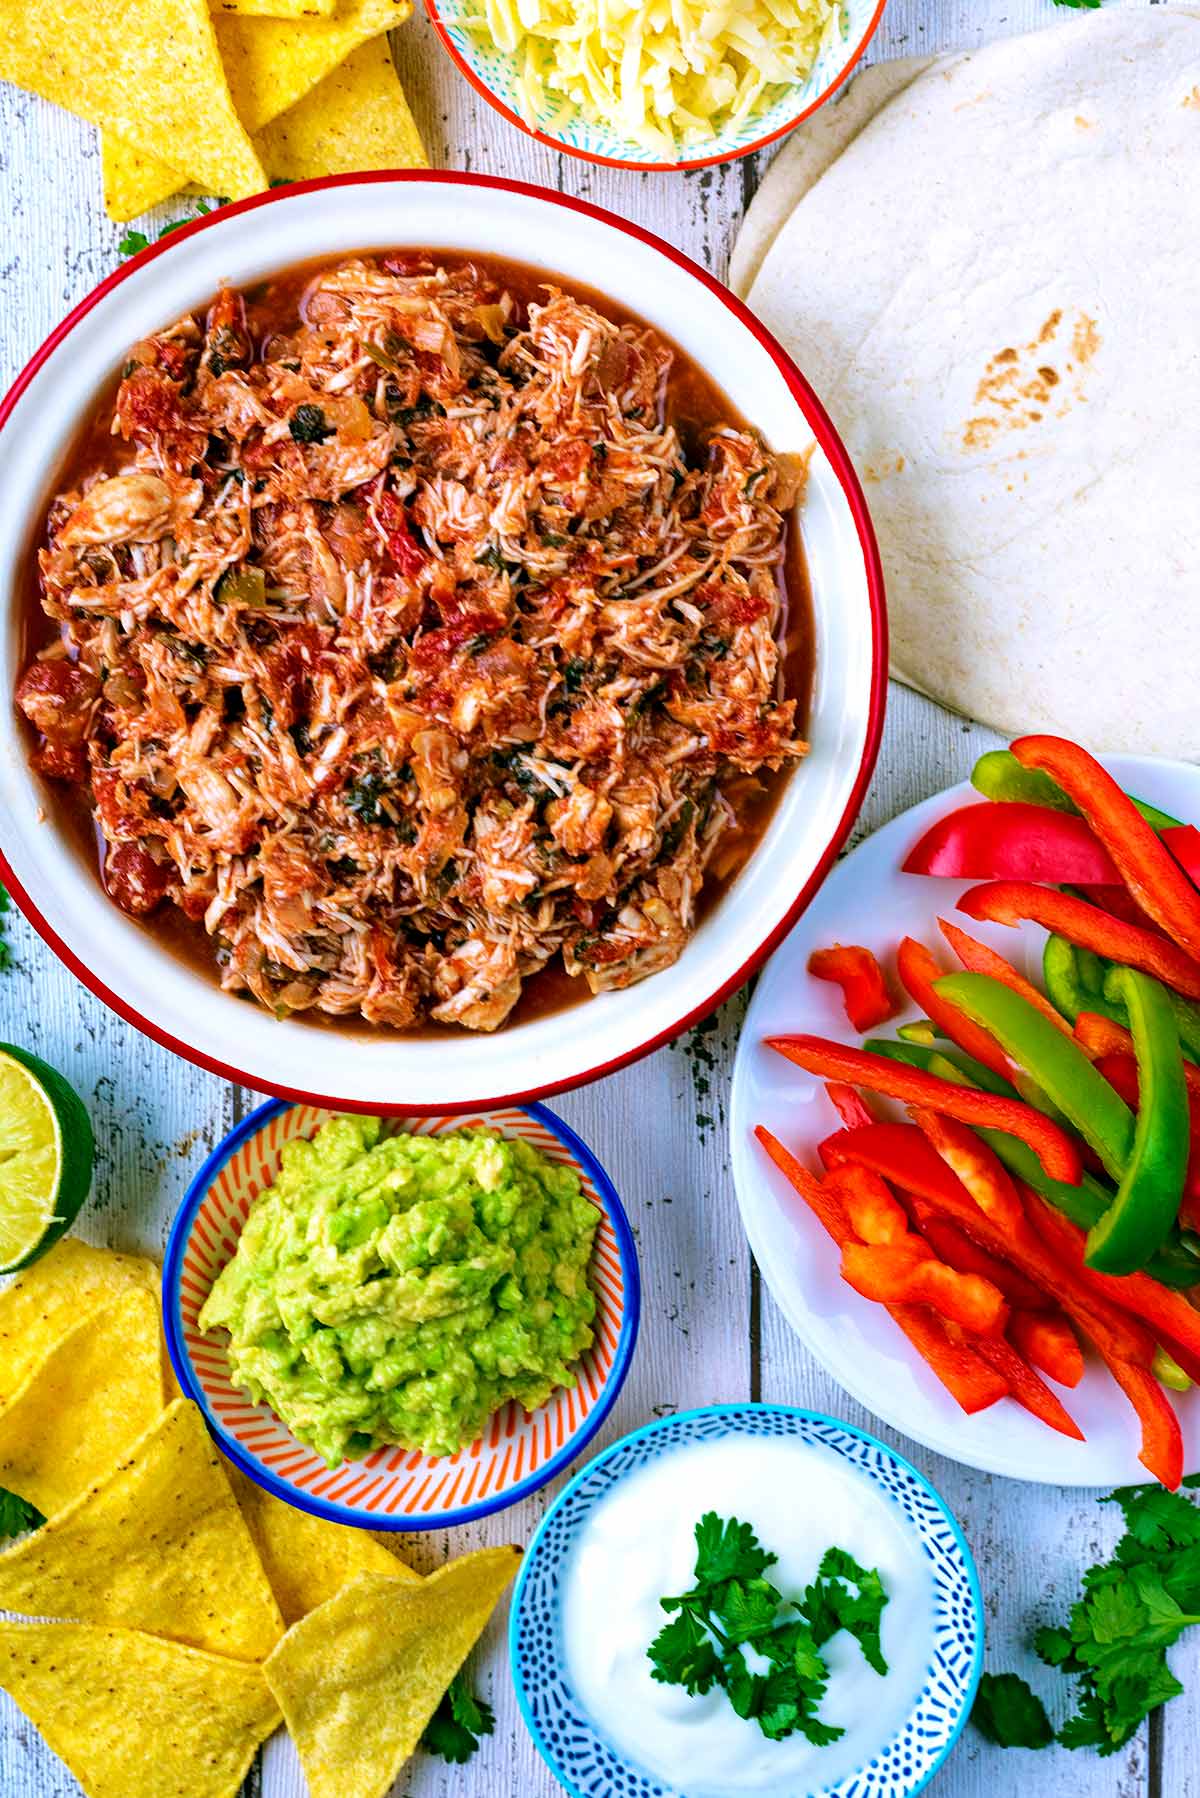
column 324, row 1508
column 726, row 1410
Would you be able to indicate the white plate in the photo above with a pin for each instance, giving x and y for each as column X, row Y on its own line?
column 868, row 900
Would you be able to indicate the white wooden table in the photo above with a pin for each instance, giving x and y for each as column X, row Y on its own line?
column 709, row 1329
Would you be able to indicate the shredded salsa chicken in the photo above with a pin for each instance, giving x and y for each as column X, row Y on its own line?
column 407, row 645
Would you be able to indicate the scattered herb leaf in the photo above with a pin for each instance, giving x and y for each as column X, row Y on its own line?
column 17, row 1514
column 459, row 1723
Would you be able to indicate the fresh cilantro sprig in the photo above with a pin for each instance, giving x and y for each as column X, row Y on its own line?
column 459, row 1723
column 6, row 954
column 1094, row 5
column 17, row 1514
column 1133, row 1608
column 135, row 241
column 732, row 1606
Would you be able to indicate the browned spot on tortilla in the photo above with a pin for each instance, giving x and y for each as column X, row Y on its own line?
column 1017, row 384
column 1086, row 339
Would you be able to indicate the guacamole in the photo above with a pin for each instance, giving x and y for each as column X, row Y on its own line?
column 402, row 1288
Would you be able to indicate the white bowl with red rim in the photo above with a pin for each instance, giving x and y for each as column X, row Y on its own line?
column 179, row 1005
column 393, row 1488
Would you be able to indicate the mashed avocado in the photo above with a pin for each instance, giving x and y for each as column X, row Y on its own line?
column 402, row 1288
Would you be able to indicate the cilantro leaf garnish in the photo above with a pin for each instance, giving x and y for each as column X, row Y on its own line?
column 459, row 1723
column 1133, row 1608
column 6, row 954
column 17, row 1514
column 1008, row 1712
column 732, row 1608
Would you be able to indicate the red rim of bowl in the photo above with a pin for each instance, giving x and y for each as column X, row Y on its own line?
column 834, row 450
column 617, row 162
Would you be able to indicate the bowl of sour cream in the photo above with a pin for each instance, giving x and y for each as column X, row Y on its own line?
column 822, row 1630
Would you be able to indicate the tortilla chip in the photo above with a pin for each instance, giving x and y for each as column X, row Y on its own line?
column 45, row 1301
column 305, row 1558
column 157, row 1544
column 83, row 1406
column 270, row 64
column 131, row 1714
column 358, row 1679
column 357, row 118
column 148, row 70
column 276, row 9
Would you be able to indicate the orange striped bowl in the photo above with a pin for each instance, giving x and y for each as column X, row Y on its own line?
column 392, row 1488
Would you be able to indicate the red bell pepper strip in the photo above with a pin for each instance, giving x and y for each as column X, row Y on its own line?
column 1022, row 841
column 1162, row 1438
column 849, row 1104
column 1026, row 1386
column 1146, row 865
column 1047, row 1340
column 979, row 958
column 864, row 989
column 1098, row 1035
column 952, row 1245
column 1055, row 1150
column 976, row 1166
column 1169, row 1314
column 918, row 970
column 892, row 1274
column 1017, row 901
column 970, row 1382
column 1120, row 902
column 873, row 1211
column 907, row 1160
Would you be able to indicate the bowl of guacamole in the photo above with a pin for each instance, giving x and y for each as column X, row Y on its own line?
column 395, row 1287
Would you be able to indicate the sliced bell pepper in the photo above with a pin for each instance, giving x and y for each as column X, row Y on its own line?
column 1147, row 1201
column 919, row 1031
column 864, row 989
column 1066, row 971
column 835, row 1061
column 918, row 971
column 1121, row 1072
column 1162, row 1439
column 1047, row 1340
column 951, row 1244
column 1026, row 1386
column 967, row 1156
column 970, row 1382
column 1023, row 841
column 1146, row 866
column 1115, row 899
column 1055, row 1061
column 999, row 775
column 947, row 1064
column 849, row 1104
column 892, row 1274
column 979, row 958
column 1017, row 901
column 1097, row 1034
column 1169, row 1315
column 872, row 1209
column 1168, row 1372
column 908, row 1161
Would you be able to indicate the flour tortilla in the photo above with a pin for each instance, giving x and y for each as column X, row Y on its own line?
column 807, row 153
column 1027, row 208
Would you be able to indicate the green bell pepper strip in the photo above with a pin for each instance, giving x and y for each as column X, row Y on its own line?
column 999, row 775
column 1074, row 980
column 1054, row 1061
column 1168, row 1371
column 1144, row 1211
column 923, row 1031
column 1176, row 1265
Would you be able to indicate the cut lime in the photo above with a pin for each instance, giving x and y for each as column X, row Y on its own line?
column 46, row 1148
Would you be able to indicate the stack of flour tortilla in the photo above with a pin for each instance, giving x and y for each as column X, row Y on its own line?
column 988, row 265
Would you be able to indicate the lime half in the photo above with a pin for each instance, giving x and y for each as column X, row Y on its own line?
column 46, row 1148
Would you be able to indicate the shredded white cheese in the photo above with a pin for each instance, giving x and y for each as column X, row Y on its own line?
column 666, row 74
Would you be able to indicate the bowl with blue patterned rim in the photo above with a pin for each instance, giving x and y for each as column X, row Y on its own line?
column 580, row 1751
column 393, row 1488
column 493, row 72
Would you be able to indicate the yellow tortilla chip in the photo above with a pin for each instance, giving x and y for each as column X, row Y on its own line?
column 305, row 1558
column 148, row 70
column 99, row 1389
column 276, row 9
column 357, row 118
column 270, row 63
column 157, row 1544
column 135, row 1717
column 45, row 1301
column 358, row 1679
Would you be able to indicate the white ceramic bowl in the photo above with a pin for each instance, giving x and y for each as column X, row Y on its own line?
column 178, row 1006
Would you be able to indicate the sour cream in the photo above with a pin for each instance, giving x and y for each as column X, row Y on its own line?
column 638, row 1546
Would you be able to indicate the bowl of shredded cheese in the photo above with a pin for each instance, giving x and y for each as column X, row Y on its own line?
column 669, row 84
